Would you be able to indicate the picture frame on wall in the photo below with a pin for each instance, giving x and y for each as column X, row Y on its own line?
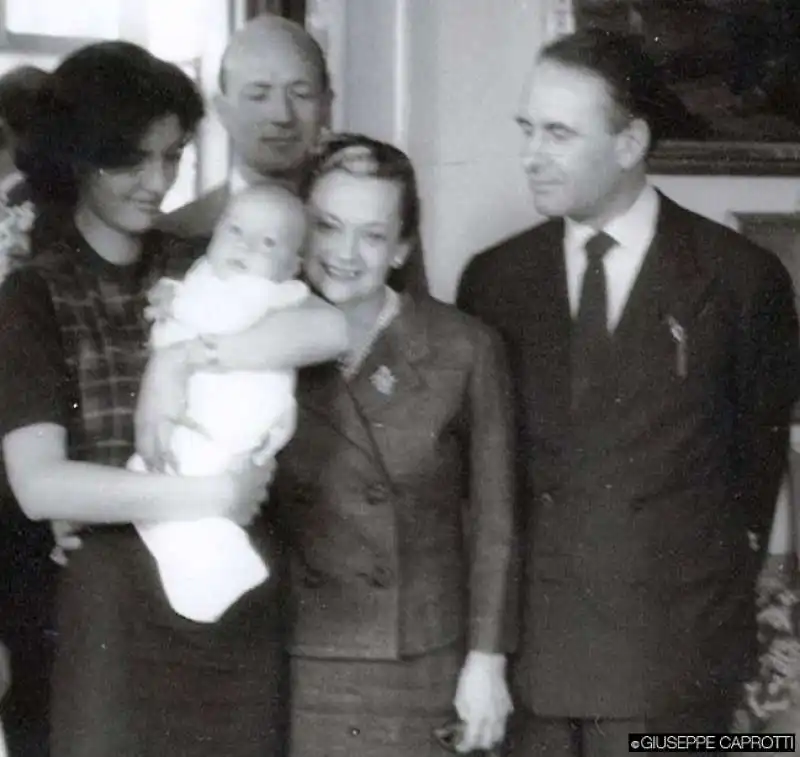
column 733, row 68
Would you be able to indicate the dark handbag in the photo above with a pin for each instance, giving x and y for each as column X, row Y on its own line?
column 776, row 687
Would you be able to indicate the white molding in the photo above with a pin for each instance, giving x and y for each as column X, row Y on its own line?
column 238, row 9
column 326, row 21
column 402, row 75
column 213, row 142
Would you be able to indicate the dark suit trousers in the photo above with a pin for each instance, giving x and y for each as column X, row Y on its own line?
column 531, row 736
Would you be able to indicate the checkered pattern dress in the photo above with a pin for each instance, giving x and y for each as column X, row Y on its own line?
column 131, row 677
column 99, row 312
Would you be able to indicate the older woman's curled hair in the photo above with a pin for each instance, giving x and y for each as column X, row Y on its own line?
column 363, row 156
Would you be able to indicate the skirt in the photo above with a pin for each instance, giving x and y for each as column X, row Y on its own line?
column 27, row 602
column 134, row 679
column 366, row 708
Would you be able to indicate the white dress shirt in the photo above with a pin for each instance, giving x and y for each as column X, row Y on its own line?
column 238, row 181
column 633, row 231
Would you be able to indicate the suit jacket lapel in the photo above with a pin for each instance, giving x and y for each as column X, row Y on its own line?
column 673, row 286
column 390, row 375
column 545, row 312
column 550, row 272
column 323, row 396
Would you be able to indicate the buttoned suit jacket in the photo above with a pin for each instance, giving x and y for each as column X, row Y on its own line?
column 646, row 512
column 397, row 489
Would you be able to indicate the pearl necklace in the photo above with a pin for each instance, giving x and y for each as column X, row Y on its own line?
column 350, row 364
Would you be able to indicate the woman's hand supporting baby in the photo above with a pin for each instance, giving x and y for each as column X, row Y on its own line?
column 162, row 399
column 249, row 483
column 237, row 495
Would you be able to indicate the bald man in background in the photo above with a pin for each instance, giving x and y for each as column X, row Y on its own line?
column 274, row 100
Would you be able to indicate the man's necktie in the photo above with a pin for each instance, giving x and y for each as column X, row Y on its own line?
column 590, row 338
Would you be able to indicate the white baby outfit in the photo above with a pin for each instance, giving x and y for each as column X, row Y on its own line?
column 206, row 565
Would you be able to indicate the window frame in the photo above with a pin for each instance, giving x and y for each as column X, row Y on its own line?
column 38, row 44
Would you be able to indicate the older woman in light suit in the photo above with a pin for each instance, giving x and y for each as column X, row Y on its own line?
column 398, row 490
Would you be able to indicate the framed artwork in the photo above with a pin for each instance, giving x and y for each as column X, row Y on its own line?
column 732, row 66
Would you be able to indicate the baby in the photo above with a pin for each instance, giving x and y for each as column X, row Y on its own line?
column 247, row 271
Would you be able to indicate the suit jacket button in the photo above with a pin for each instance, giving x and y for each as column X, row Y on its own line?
column 547, row 499
column 377, row 494
column 313, row 578
column 381, row 577
column 301, row 494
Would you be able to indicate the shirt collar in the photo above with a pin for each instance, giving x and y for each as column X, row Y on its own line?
column 634, row 229
column 238, row 181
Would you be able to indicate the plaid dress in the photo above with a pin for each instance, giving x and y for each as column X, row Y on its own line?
column 131, row 677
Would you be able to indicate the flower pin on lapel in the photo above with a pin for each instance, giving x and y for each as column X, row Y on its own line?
column 384, row 380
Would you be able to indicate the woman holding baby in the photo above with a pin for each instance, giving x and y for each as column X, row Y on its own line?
column 395, row 493
column 131, row 677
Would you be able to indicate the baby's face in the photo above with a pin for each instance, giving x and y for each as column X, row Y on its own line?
column 258, row 236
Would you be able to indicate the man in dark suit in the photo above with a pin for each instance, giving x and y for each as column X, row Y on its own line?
column 655, row 360
column 274, row 100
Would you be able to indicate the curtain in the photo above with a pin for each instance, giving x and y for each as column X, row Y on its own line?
column 293, row 9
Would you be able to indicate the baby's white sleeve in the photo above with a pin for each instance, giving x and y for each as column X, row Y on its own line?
column 172, row 331
column 288, row 294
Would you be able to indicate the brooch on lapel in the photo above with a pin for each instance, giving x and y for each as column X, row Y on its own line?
column 383, row 380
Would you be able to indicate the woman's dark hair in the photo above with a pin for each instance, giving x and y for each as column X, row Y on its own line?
column 360, row 155
column 19, row 89
column 93, row 112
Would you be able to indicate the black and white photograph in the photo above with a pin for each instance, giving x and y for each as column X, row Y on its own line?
column 399, row 378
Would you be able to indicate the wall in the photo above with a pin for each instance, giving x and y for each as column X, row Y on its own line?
column 442, row 79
